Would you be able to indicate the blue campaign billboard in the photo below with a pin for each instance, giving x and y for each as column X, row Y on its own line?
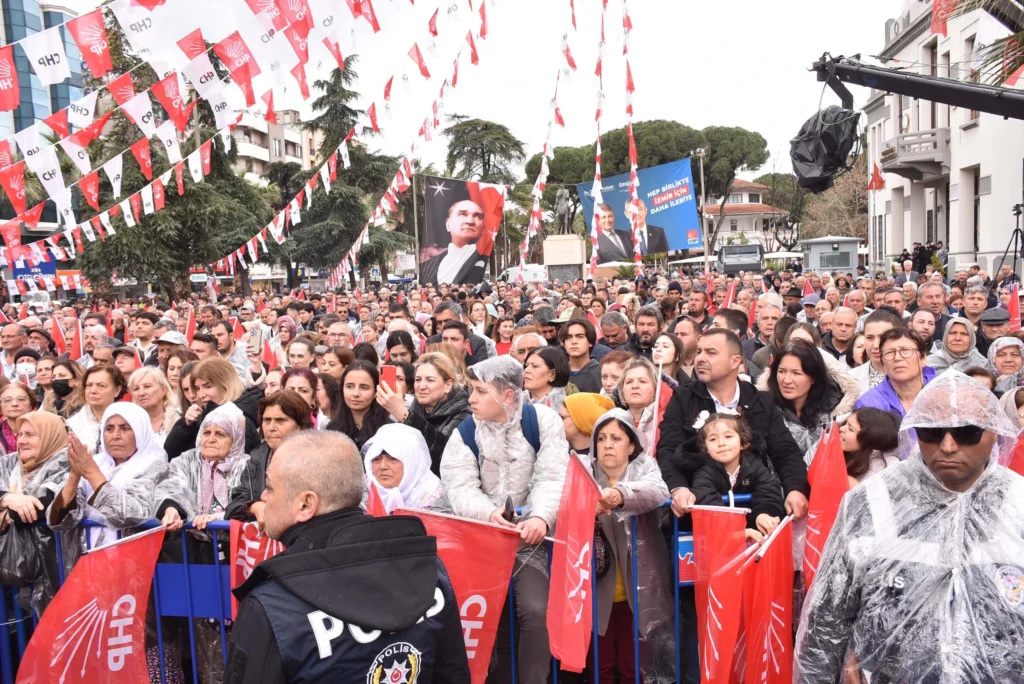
column 23, row 270
column 668, row 216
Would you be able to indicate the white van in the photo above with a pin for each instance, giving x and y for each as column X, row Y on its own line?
column 39, row 300
column 531, row 273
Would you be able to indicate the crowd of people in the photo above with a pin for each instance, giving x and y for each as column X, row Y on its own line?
column 470, row 401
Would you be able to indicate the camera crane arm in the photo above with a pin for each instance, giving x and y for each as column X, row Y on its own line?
column 838, row 71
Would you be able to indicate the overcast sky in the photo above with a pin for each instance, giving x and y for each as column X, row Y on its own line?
column 739, row 63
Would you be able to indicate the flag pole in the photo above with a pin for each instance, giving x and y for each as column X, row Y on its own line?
column 768, row 542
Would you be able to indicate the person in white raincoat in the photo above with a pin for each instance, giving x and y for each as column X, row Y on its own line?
column 397, row 463
column 922, row 577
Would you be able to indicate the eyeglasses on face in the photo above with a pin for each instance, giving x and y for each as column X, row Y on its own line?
column 967, row 435
column 904, row 353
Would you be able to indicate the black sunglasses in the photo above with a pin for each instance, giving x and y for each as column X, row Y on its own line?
column 967, row 435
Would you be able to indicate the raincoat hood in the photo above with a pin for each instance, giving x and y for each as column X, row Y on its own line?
column 625, row 419
column 407, row 445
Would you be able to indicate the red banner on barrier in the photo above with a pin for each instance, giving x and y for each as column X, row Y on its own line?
column 95, row 628
column 479, row 559
column 249, row 548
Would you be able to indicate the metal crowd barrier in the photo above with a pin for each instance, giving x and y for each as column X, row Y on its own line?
column 191, row 590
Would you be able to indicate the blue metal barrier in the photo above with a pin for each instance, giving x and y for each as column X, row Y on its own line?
column 189, row 590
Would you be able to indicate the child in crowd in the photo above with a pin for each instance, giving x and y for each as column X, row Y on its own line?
column 736, row 469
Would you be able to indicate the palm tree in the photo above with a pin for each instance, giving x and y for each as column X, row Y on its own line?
column 1004, row 58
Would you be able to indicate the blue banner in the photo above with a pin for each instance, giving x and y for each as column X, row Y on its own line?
column 668, row 216
column 24, row 271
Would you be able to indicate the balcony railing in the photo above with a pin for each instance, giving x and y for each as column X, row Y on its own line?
column 918, row 155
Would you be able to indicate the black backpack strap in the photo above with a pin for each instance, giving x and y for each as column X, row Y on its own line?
column 467, row 430
column 531, row 428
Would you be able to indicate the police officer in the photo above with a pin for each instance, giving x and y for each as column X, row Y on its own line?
column 353, row 598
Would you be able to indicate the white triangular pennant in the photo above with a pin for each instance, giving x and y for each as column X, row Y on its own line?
column 325, row 176
column 345, row 160
column 296, row 217
column 201, row 75
column 45, row 52
column 225, row 137
column 168, row 135
column 140, row 110
column 82, row 111
column 78, row 154
column 147, row 200
column 28, row 143
column 114, row 168
column 89, row 233
column 105, row 220
column 195, row 166
column 62, row 198
column 126, row 212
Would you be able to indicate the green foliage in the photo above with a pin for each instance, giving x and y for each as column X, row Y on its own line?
column 626, row 272
column 784, row 192
column 335, row 116
column 330, row 226
column 482, row 150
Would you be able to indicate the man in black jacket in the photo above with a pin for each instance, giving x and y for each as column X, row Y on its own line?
column 648, row 326
column 390, row 613
column 479, row 349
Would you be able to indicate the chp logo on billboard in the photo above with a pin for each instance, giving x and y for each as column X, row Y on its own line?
column 668, row 213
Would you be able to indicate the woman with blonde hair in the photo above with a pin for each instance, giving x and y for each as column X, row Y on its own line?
column 214, row 383
column 456, row 356
column 101, row 386
column 151, row 390
column 441, row 403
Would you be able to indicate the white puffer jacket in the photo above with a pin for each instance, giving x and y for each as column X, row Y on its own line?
column 508, row 467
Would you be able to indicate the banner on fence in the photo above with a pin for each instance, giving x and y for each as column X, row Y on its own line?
column 668, row 213
column 249, row 548
column 95, row 628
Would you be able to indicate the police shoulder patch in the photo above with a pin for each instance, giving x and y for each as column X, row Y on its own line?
column 399, row 663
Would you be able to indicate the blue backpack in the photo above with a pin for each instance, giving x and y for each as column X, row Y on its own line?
column 531, row 430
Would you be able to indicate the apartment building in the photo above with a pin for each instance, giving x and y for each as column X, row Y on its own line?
column 748, row 217
column 950, row 173
column 261, row 143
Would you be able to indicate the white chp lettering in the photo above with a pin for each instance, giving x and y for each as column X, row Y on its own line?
column 120, row 645
column 473, row 610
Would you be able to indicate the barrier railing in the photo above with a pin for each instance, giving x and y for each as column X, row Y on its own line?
column 201, row 590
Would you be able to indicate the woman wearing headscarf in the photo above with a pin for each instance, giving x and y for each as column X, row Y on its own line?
column 116, row 487
column 1006, row 357
column 957, row 348
column 397, row 463
column 286, row 331
column 29, row 482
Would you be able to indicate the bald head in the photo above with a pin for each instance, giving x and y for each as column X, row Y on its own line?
column 325, row 463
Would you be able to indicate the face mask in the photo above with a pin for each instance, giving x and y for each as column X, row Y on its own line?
column 62, row 388
column 25, row 370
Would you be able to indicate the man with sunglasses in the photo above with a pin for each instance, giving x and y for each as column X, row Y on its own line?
column 922, row 578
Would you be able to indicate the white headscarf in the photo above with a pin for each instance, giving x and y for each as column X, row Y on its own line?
column 147, row 451
column 407, row 445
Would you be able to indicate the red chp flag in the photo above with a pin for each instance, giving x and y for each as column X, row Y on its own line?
column 190, row 325
column 95, row 628
column 90, row 35
column 238, row 59
column 718, row 541
column 10, row 93
column 269, row 357
column 144, row 156
column 374, row 504
column 479, row 558
column 877, row 181
column 249, row 548
column 808, row 290
column 570, row 603
column 1014, row 307
column 75, row 352
column 13, row 180
column 768, row 611
column 829, row 481
column 730, row 295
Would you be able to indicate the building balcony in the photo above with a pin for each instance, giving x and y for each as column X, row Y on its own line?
column 919, row 156
column 250, row 121
column 293, row 135
column 289, row 159
column 252, row 151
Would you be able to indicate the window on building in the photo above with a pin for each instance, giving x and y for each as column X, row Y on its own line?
column 277, row 148
column 735, row 198
column 733, row 225
column 754, row 198
column 834, row 260
column 977, row 208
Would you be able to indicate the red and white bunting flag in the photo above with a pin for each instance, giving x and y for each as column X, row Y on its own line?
column 136, row 205
column 387, row 89
column 58, row 123
column 432, row 23
column 81, row 111
column 205, row 152
column 335, row 50
column 90, row 187
column 364, row 9
column 297, row 14
column 268, row 13
column 942, row 10
column 829, row 484
column 299, row 41
column 95, row 628
column 139, row 110
column 33, row 215
column 172, row 97
column 45, row 52
column 78, row 153
column 299, row 73
column 122, row 88
column 483, row 20
column 6, row 158
column 417, row 56
column 143, row 156
column 13, row 180
column 479, row 558
column 114, row 169
column 371, row 112
column 195, row 166
column 158, row 195
column 90, row 35
column 249, row 548
column 768, row 610
column 193, row 44
column 474, row 56
column 86, row 135
column 10, row 93
column 239, row 61
column 167, row 134
column 570, row 603
column 179, row 177
column 105, row 219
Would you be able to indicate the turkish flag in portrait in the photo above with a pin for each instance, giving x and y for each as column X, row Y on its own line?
column 829, row 482
column 95, row 628
column 718, row 542
column 479, row 558
column 249, row 548
column 570, row 602
column 768, row 611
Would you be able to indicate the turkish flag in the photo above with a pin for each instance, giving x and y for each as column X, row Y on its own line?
column 190, row 326
column 374, row 505
column 90, row 186
column 13, row 180
column 830, row 482
column 479, row 558
column 144, row 156
column 417, row 56
column 1014, row 307
column 237, row 331
column 269, row 357
column 718, row 540
column 10, row 93
column 90, row 35
column 95, row 628
column 249, row 548
column 768, row 611
column 570, row 603
column 730, row 295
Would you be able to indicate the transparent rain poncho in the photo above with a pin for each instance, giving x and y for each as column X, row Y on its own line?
column 919, row 583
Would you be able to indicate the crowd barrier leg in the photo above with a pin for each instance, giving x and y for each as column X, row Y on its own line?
column 220, row 601
column 593, row 600
column 19, row 622
column 6, row 661
column 159, row 629
column 675, row 588
column 512, row 627
column 188, row 599
column 636, row 602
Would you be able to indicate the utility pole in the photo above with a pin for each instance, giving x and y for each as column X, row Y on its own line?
column 416, row 223
column 703, row 198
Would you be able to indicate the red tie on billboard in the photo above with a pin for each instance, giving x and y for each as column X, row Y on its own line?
column 570, row 603
column 479, row 558
column 95, row 628
column 830, row 482
column 718, row 539
column 190, row 326
column 249, row 548
column 1014, row 307
column 374, row 505
column 768, row 610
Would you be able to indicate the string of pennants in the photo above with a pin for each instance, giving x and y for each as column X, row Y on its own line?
column 292, row 18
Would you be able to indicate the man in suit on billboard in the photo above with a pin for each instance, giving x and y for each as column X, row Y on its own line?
column 651, row 238
column 612, row 245
column 461, row 262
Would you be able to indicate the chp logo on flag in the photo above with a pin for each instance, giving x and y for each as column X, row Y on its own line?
column 405, row 665
column 9, row 92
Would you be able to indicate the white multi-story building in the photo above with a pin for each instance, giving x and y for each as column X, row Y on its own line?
column 261, row 143
column 748, row 217
column 951, row 174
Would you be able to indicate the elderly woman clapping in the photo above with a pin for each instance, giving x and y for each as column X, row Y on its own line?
column 199, row 482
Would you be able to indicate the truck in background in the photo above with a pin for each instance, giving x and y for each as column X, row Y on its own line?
column 735, row 258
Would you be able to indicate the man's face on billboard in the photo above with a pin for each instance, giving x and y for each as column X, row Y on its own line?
column 606, row 220
column 465, row 223
column 641, row 211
